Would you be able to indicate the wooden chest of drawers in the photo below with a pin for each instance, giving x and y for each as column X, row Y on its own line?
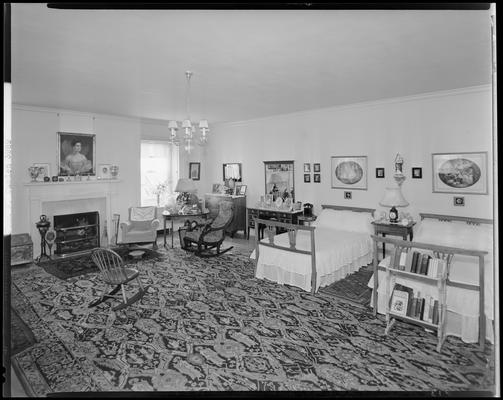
column 21, row 249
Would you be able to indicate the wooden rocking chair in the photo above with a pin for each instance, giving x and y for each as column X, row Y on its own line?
column 207, row 236
column 114, row 273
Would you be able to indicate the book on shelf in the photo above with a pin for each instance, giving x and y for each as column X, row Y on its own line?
column 403, row 259
column 399, row 302
column 424, row 264
column 415, row 257
column 408, row 261
column 435, row 312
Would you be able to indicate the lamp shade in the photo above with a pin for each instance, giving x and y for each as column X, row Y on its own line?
column 393, row 197
column 185, row 185
column 173, row 125
column 203, row 124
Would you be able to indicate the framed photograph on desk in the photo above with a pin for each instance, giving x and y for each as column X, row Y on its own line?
column 241, row 190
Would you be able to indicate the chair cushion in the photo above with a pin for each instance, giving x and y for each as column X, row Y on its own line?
column 142, row 213
column 141, row 226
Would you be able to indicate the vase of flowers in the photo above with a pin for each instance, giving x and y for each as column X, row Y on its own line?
column 159, row 191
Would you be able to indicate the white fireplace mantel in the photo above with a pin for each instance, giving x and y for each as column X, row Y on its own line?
column 44, row 192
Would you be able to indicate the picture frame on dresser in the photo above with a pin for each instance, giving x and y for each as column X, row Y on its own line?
column 463, row 173
column 349, row 172
column 76, row 154
column 241, row 190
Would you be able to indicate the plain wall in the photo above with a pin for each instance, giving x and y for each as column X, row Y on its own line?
column 415, row 127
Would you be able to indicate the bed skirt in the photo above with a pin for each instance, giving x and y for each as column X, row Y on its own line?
column 303, row 281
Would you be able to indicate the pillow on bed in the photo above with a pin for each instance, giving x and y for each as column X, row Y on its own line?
column 344, row 220
column 455, row 234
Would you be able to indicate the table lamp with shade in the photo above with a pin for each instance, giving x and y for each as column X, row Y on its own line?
column 393, row 198
column 186, row 187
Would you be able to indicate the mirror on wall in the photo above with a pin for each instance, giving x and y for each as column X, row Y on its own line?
column 232, row 171
column 279, row 179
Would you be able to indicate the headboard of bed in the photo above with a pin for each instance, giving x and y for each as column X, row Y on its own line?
column 450, row 218
column 346, row 208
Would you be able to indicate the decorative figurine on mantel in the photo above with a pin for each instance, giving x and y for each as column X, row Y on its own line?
column 399, row 176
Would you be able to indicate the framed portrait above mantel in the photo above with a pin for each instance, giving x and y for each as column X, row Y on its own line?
column 76, row 154
column 349, row 172
column 464, row 173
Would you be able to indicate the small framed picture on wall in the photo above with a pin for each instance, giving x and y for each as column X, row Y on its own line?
column 307, row 178
column 348, row 195
column 417, row 173
column 307, row 167
column 316, row 167
column 379, row 172
column 195, row 171
column 317, row 178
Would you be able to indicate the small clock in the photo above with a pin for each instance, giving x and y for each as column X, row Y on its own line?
column 393, row 215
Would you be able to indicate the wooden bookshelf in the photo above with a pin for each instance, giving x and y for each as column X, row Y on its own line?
column 441, row 252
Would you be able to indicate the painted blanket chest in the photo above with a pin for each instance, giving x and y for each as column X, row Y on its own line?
column 21, row 249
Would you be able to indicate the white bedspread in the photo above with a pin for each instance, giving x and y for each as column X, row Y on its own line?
column 338, row 253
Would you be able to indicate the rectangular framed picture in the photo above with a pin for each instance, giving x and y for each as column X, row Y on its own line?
column 399, row 302
column 317, row 167
column 104, row 171
column 348, row 195
column 349, row 172
column 307, row 178
column 241, row 190
column 317, row 178
column 76, row 154
column 417, row 173
column 44, row 170
column 195, row 171
column 379, row 172
column 307, row 167
column 460, row 173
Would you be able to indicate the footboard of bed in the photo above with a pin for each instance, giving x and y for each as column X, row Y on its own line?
column 292, row 229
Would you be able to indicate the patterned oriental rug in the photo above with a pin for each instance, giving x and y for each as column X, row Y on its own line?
column 72, row 266
column 209, row 325
column 353, row 288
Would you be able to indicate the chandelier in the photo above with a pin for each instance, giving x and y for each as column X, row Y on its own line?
column 187, row 126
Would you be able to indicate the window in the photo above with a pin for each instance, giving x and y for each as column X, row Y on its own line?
column 159, row 172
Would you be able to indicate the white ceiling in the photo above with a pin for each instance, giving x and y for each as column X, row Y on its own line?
column 247, row 63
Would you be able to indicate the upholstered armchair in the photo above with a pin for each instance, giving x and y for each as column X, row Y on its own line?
column 141, row 227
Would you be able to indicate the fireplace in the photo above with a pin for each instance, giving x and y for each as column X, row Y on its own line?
column 77, row 232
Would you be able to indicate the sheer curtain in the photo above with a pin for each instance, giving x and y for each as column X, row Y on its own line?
column 159, row 172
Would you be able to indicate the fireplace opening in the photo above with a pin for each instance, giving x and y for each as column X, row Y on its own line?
column 76, row 232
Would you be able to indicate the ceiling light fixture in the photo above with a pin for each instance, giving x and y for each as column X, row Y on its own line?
column 187, row 125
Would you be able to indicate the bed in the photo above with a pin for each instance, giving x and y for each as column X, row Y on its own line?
column 465, row 300
column 338, row 243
